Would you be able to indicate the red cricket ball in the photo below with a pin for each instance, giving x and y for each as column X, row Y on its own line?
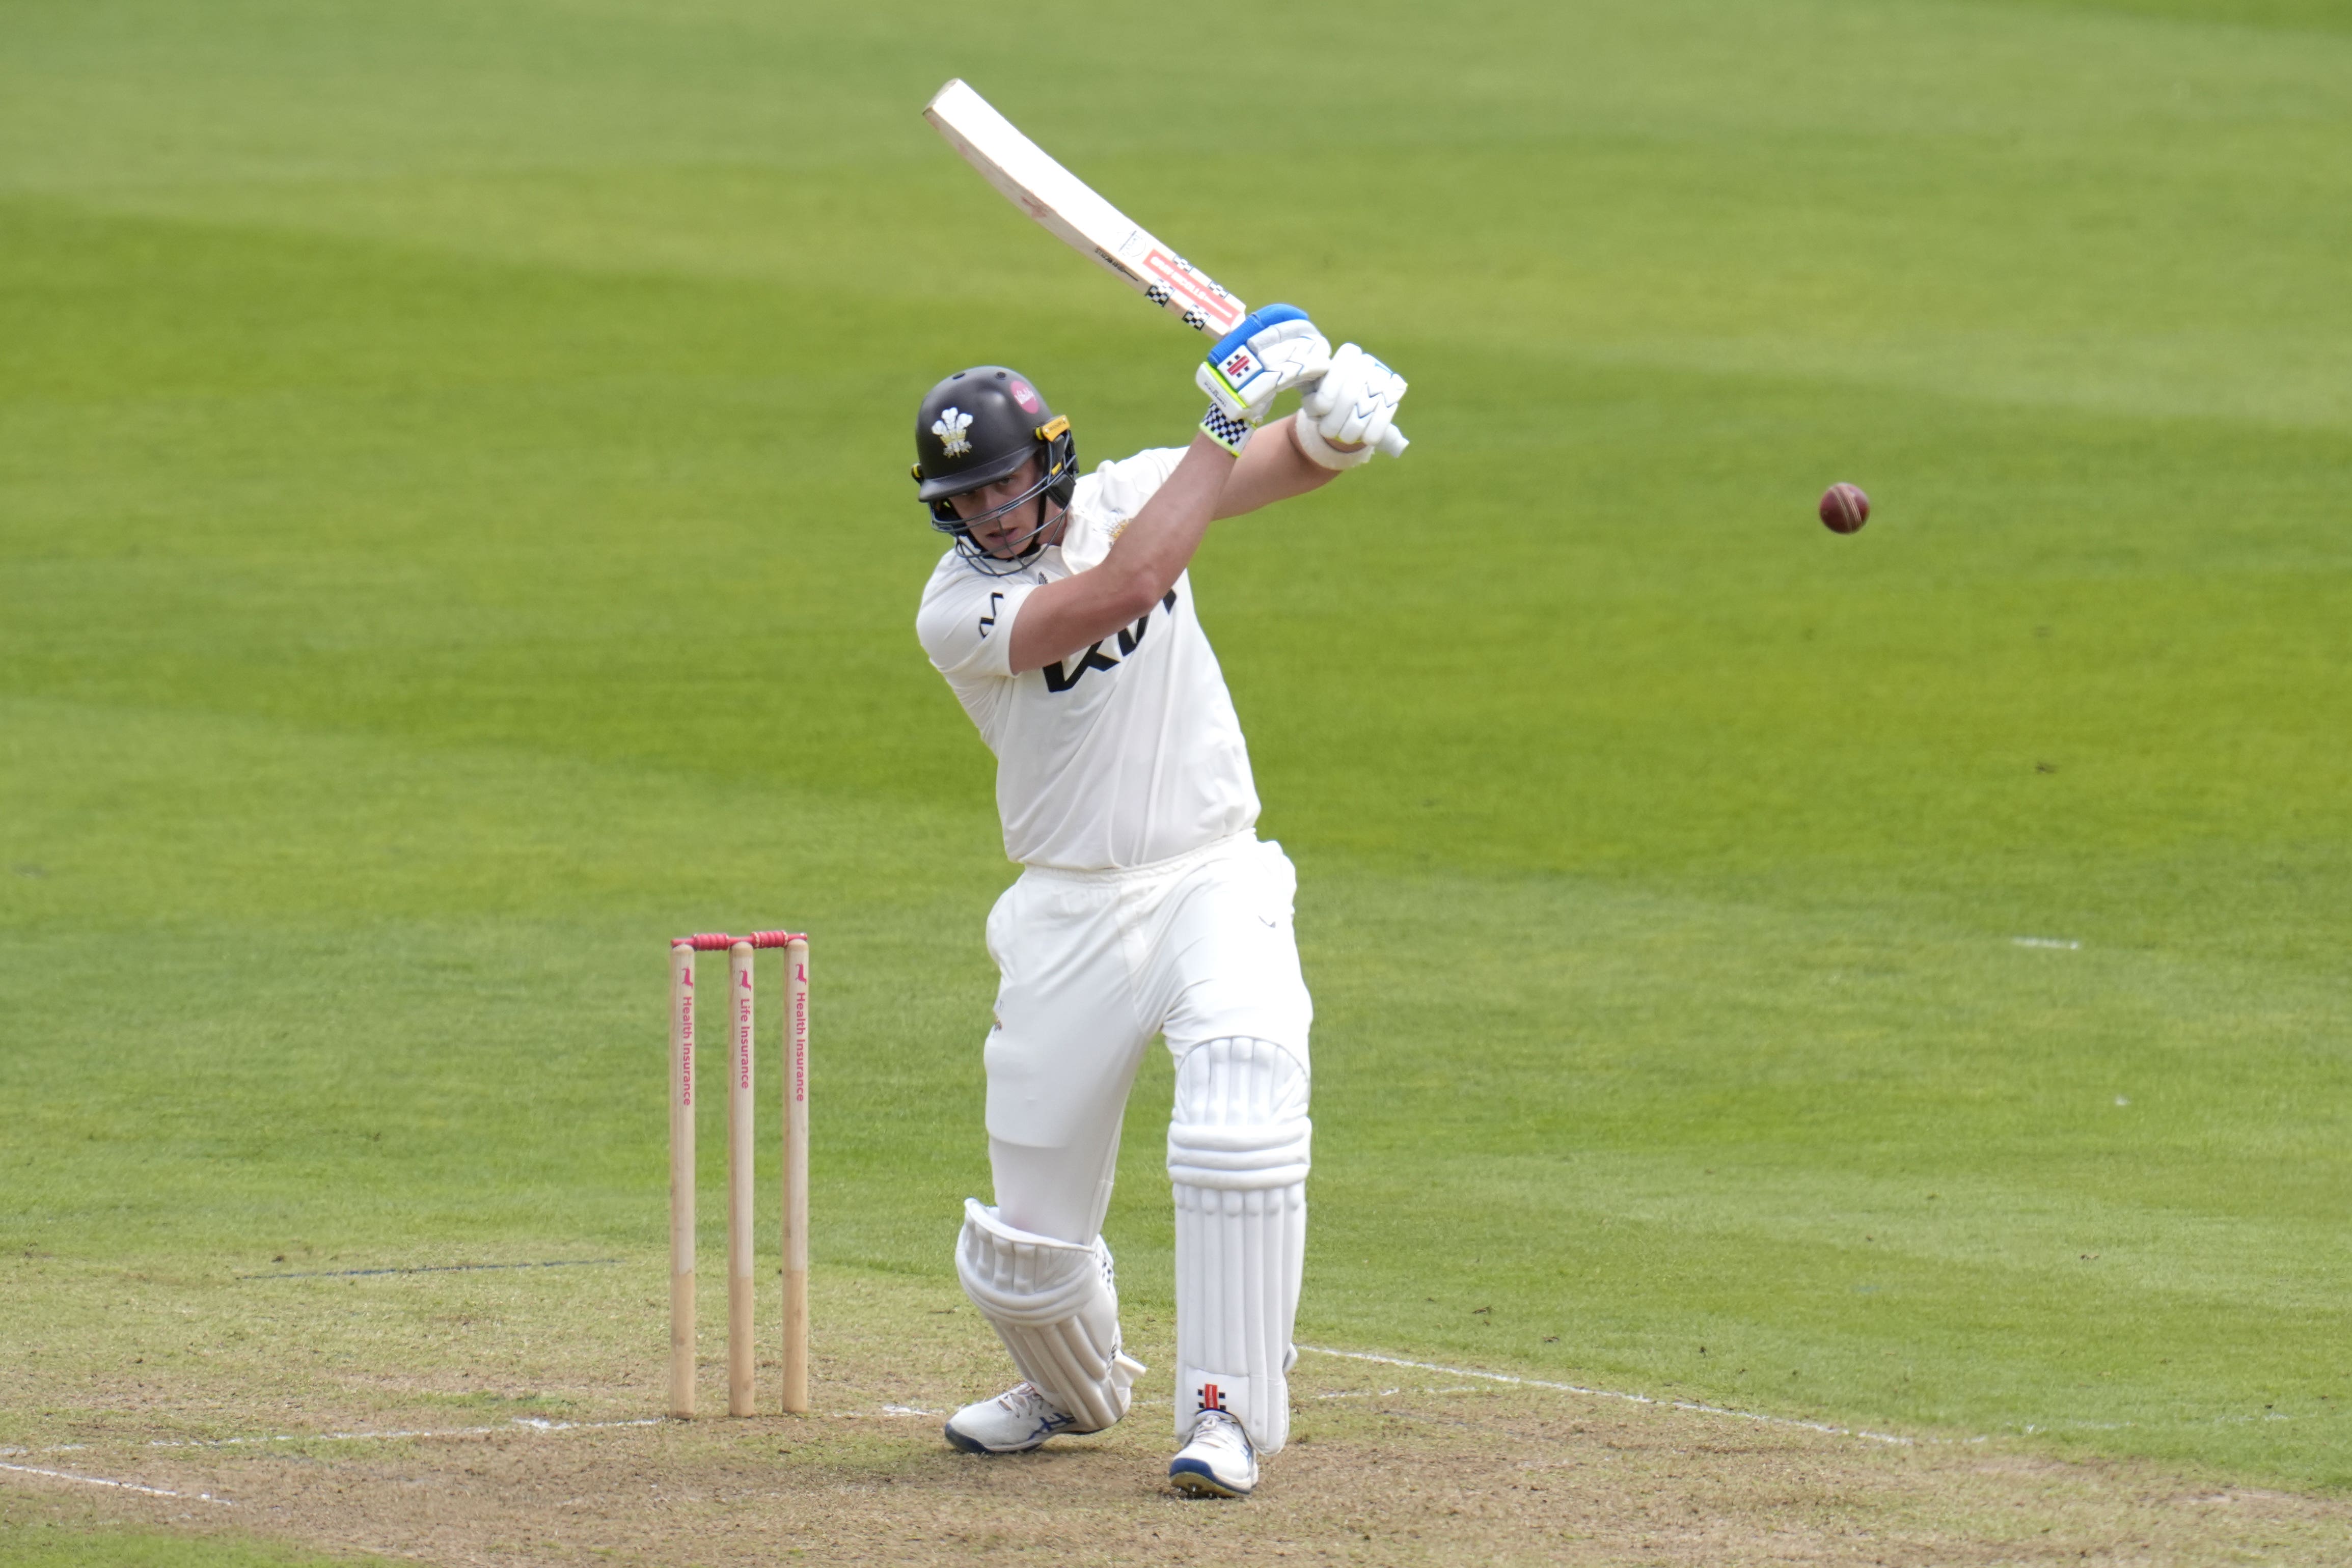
column 1844, row 509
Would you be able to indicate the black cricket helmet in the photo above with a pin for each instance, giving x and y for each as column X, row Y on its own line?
column 976, row 427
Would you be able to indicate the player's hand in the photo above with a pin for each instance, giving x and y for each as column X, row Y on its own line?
column 1342, row 418
column 1273, row 349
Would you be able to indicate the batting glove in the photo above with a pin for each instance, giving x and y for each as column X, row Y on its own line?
column 1342, row 417
column 1272, row 349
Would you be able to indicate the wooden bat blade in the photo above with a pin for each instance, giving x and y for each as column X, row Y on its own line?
column 1068, row 207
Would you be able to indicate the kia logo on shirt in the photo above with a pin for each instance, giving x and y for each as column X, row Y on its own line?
column 1061, row 675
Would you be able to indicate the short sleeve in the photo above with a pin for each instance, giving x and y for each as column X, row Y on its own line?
column 1126, row 484
column 966, row 625
column 1107, row 500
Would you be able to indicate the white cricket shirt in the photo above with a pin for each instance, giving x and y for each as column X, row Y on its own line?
column 1122, row 754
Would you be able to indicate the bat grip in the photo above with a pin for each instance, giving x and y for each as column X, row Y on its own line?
column 1392, row 441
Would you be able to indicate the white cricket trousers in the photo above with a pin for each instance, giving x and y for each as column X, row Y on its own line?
column 1093, row 964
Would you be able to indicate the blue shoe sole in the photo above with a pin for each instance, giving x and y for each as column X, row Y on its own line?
column 963, row 1445
column 1194, row 1477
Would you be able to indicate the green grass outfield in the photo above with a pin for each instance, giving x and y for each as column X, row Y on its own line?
column 454, row 535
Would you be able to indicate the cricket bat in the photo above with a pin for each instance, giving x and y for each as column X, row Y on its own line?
column 1073, row 213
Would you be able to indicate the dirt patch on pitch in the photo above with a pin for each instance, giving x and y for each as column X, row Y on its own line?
column 510, row 1464
column 1411, row 1476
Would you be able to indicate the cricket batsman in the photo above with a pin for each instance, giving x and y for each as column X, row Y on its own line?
column 1063, row 618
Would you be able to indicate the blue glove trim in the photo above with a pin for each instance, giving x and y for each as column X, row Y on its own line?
column 1253, row 323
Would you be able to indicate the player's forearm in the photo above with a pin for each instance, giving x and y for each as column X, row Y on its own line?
column 1271, row 469
column 1143, row 564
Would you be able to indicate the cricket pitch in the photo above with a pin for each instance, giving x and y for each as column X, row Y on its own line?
column 268, row 1419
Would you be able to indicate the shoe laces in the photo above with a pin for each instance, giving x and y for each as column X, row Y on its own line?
column 1025, row 1398
column 1219, row 1427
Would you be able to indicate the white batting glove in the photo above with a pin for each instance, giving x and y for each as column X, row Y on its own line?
column 1342, row 417
column 1272, row 349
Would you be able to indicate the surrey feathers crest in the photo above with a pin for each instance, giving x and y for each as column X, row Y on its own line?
column 950, row 428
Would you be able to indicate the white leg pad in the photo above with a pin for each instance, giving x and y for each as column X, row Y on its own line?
column 1237, row 1155
column 1056, row 1306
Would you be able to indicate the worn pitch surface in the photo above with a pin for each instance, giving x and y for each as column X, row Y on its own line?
column 1391, row 1464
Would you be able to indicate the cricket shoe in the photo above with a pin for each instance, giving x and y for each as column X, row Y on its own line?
column 1014, row 1422
column 1218, row 1462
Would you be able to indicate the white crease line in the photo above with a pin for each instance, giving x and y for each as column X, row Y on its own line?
column 528, row 1423
column 123, row 1486
column 1614, row 1394
column 2059, row 942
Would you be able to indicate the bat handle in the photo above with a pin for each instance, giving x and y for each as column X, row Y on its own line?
column 1392, row 441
